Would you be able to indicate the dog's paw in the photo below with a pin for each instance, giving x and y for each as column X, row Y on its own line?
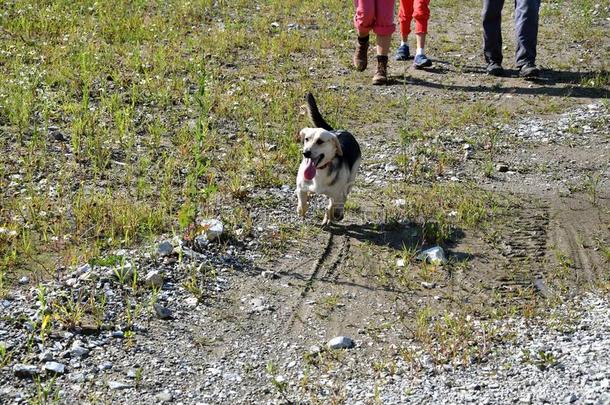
column 338, row 215
column 327, row 220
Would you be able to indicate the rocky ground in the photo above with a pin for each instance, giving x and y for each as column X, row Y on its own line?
column 129, row 130
column 213, row 321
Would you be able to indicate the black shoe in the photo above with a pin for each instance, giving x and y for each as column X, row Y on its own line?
column 529, row 70
column 495, row 69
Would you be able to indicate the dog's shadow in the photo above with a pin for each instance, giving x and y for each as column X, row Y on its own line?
column 402, row 235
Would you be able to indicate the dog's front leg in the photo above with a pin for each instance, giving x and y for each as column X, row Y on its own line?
column 329, row 214
column 303, row 197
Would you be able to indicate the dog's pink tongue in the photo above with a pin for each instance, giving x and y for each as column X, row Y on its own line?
column 310, row 170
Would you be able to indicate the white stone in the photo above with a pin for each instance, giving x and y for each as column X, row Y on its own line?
column 212, row 229
column 340, row 342
column 434, row 255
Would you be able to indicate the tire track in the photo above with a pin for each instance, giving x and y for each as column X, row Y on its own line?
column 524, row 249
column 332, row 249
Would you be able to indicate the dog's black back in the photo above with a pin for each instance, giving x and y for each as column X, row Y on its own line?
column 349, row 145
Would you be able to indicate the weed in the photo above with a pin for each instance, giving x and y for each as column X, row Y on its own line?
column 278, row 381
column 47, row 393
column 199, row 280
column 488, row 168
column 591, row 186
column 5, row 355
column 541, row 359
column 138, row 377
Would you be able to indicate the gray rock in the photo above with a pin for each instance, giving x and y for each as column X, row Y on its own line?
column 118, row 334
column 340, row 342
column 118, row 385
column 258, row 304
column 502, row 167
column 105, row 366
column 527, row 399
column 164, row 396
column 314, row 349
column 165, row 249
column 25, row 370
column 604, row 399
column 162, row 312
column 77, row 377
column 427, row 362
column 45, row 356
column 154, row 279
column 570, row 398
column 24, row 280
column 55, row 367
column 271, row 275
column 78, row 352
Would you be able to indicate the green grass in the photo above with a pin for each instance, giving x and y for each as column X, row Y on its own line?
column 176, row 110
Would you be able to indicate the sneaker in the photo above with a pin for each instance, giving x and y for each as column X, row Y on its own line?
column 381, row 75
column 529, row 70
column 421, row 61
column 495, row 69
column 402, row 53
column 361, row 54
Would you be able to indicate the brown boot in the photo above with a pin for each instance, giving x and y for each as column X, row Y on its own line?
column 360, row 55
column 381, row 76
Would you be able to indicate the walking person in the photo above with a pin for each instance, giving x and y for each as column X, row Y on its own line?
column 376, row 16
column 527, row 14
column 418, row 10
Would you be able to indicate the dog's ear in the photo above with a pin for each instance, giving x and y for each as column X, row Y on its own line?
column 337, row 145
column 299, row 136
column 303, row 133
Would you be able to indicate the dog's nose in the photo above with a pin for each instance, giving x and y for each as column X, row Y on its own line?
column 307, row 153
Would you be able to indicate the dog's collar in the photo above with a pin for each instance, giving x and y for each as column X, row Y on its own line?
column 325, row 165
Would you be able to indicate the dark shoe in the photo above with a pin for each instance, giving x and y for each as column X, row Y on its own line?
column 495, row 69
column 381, row 75
column 529, row 70
column 421, row 61
column 402, row 53
column 361, row 53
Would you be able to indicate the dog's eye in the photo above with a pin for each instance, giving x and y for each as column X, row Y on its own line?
column 320, row 142
column 307, row 139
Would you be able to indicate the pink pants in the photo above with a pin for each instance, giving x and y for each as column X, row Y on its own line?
column 376, row 15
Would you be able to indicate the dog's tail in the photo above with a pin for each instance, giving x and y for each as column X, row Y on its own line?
column 314, row 114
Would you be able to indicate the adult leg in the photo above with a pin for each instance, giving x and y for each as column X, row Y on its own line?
column 527, row 13
column 492, row 30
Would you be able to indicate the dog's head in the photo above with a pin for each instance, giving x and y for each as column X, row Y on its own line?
column 319, row 145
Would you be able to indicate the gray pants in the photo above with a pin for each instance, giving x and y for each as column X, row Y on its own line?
column 526, row 30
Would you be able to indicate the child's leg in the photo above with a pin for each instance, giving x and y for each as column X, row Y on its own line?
column 421, row 15
column 384, row 25
column 364, row 20
column 405, row 14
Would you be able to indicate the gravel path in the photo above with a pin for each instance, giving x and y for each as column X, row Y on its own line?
column 564, row 359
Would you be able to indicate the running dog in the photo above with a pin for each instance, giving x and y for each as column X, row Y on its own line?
column 331, row 159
